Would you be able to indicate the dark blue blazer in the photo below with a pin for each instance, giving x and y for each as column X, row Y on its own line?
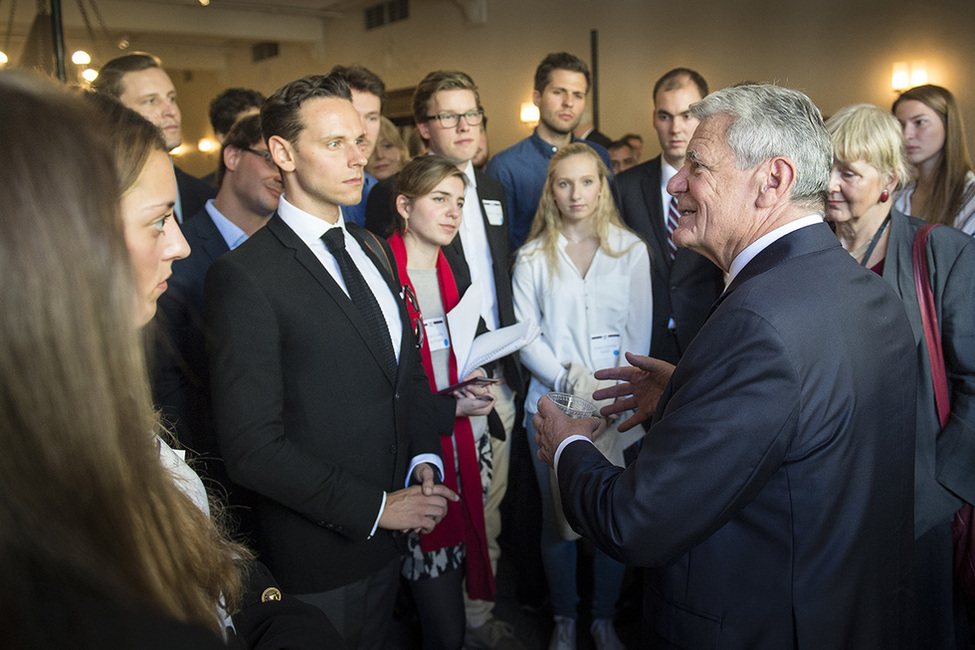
column 772, row 498
column 193, row 193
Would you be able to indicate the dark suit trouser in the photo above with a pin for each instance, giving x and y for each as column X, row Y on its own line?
column 362, row 610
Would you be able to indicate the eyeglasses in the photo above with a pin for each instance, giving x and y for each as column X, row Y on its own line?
column 450, row 120
column 414, row 304
column 266, row 155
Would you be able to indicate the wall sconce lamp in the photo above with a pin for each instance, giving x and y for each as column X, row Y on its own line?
column 529, row 113
column 906, row 75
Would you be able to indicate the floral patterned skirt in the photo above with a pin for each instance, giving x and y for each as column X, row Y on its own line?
column 417, row 565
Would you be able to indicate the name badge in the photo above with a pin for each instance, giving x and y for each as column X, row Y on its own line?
column 492, row 208
column 436, row 332
column 605, row 350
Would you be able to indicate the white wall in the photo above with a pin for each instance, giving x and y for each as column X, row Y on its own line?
column 837, row 51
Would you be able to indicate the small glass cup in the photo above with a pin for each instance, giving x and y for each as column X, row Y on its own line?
column 574, row 407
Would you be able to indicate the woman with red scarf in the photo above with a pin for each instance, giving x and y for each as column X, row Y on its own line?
column 429, row 200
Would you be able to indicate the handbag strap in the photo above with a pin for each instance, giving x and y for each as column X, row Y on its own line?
column 373, row 243
column 932, row 333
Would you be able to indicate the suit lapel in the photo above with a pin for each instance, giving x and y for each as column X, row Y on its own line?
column 497, row 235
column 900, row 248
column 313, row 265
column 651, row 198
column 407, row 338
column 211, row 240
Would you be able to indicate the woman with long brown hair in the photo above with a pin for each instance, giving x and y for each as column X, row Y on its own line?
column 944, row 189
column 98, row 545
column 154, row 241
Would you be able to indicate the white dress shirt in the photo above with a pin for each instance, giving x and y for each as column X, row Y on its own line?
column 477, row 252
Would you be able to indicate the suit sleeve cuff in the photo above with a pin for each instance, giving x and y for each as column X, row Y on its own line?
column 434, row 461
column 375, row 525
column 566, row 442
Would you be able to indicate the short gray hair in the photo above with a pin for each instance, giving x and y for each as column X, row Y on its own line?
column 769, row 121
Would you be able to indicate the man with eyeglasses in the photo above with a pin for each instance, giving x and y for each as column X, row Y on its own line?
column 449, row 116
column 250, row 186
column 561, row 85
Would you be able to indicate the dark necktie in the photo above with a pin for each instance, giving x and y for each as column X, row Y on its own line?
column 672, row 219
column 362, row 297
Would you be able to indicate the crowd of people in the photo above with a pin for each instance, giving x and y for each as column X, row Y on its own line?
column 244, row 411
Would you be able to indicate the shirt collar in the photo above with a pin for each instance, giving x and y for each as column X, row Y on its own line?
column 306, row 225
column 231, row 232
column 469, row 174
column 765, row 240
column 666, row 172
column 545, row 148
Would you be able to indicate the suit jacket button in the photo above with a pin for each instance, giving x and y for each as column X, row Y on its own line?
column 392, row 449
column 396, row 395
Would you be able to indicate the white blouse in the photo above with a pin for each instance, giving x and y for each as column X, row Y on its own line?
column 581, row 317
column 190, row 484
column 964, row 220
column 186, row 479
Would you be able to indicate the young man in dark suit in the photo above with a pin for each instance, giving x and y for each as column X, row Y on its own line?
column 685, row 284
column 448, row 114
column 139, row 82
column 321, row 403
column 773, row 496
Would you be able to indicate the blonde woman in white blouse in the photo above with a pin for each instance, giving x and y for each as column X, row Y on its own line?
column 585, row 278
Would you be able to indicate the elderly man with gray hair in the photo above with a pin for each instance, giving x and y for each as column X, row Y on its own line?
column 772, row 497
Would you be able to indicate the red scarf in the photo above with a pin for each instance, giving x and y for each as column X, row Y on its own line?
column 464, row 522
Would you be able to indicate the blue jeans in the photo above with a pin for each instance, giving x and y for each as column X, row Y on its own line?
column 559, row 556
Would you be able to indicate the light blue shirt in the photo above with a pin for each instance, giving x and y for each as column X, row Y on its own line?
column 231, row 232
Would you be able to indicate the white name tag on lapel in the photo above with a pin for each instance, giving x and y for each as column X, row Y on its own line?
column 492, row 208
column 436, row 333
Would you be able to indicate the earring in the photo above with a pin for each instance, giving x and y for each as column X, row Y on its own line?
column 884, row 196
